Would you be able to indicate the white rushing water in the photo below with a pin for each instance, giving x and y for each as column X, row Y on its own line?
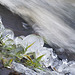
column 59, row 67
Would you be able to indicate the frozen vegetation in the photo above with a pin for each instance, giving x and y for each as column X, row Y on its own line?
column 28, row 55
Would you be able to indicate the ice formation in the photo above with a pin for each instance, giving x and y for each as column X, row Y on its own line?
column 50, row 59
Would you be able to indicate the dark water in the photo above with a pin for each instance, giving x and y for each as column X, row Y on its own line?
column 14, row 22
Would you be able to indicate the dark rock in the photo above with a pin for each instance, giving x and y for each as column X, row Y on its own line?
column 65, row 54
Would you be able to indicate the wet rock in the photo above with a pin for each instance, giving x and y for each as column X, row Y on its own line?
column 15, row 73
column 5, row 71
column 65, row 54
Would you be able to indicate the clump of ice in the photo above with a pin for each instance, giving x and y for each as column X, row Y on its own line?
column 22, row 69
column 59, row 67
column 7, row 34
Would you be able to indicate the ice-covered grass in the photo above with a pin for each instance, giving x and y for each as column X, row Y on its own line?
column 28, row 55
